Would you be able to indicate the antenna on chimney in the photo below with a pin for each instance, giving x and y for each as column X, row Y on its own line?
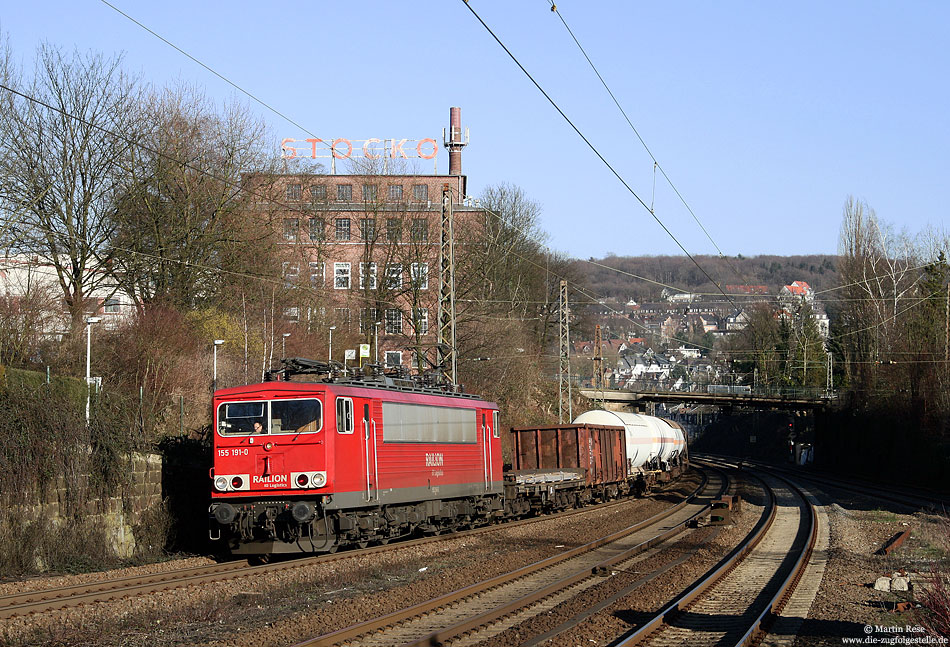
column 454, row 142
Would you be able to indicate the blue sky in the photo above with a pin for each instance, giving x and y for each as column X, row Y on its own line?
column 766, row 117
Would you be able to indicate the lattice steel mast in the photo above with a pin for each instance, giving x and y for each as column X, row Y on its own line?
column 446, row 347
column 564, row 365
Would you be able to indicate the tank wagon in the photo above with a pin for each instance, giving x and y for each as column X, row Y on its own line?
column 307, row 467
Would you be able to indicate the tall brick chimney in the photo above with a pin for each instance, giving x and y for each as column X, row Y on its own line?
column 455, row 142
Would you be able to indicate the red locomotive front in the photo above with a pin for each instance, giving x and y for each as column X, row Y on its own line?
column 309, row 467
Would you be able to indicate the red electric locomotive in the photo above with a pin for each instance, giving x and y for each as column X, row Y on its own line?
column 312, row 466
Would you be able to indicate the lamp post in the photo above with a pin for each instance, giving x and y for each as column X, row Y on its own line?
column 376, row 335
column 283, row 345
column 330, row 351
column 89, row 322
column 214, row 370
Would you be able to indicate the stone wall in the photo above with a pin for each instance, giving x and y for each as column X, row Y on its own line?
column 119, row 513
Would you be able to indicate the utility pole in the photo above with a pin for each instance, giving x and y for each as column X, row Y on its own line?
column 830, row 375
column 598, row 377
column 564, row 360
column 447, row 288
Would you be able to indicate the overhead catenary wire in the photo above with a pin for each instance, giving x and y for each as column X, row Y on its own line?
column 212, row 70
column 269, row 199
column 292, row 209
column 596, row 71
column 590, row 144
column 656, row 163
column 295, row 123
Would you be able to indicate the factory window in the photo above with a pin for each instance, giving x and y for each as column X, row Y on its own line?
column 292, row 314
column 317, row 229
column 368, row 319
column 420, row 192
column 395, row 192
column 419, row 273
column 317, row 274
column 421, row 321
column 290, row 272
column 342, row 317
column 344, row 192
column 111, row 305
column 369, row 193
column 318, row 193
column 393, row 276
column 393, row 321
column 393, row 358
column 393, row 230
column 368, row 229
column 420, row 230
column 368, row 275
column 342, row 228
column 291, row 227
column 293, row 192
column 341, row 276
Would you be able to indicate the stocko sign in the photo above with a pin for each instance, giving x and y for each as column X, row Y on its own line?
column 372, row 148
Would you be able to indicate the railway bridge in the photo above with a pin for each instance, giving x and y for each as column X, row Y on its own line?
column 804, row 400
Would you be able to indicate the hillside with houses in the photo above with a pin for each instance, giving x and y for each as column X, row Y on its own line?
column 677, row 341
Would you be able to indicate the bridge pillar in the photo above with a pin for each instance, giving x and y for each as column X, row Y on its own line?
column 628, row 407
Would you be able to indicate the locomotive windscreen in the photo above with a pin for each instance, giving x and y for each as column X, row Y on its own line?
column 275, row 416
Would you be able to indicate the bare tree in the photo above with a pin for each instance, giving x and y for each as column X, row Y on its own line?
column 183, row 208
column 66, row 150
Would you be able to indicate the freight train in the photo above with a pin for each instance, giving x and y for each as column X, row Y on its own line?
column 309, row 467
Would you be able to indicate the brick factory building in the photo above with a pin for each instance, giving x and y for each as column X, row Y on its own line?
column 363, row 248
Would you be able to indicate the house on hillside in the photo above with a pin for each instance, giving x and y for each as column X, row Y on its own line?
column 738, row 320
column 797, row 291
column 684, row 352
column 674, row 326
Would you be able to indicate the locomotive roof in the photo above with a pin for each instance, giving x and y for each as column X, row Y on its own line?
column 302, row 387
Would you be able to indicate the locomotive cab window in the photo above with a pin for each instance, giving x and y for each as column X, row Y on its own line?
column 238, row 418
column 344, row 415
column 494, row 425
column 273, row 417
column 295, row 416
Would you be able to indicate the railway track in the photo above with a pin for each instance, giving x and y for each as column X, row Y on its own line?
column 734, row 603
column 45, row 600
column 472, row 609
column 911, row 498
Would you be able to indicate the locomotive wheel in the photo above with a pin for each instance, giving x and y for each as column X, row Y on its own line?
column 362, row 544
column 258, row 560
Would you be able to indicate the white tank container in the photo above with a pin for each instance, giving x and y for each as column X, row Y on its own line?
column 642, row 442
column 647, row 438
column 674, row 442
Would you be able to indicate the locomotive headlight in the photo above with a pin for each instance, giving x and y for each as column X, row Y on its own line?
column 302, row 480
column 318, row 479
column 221, row 483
